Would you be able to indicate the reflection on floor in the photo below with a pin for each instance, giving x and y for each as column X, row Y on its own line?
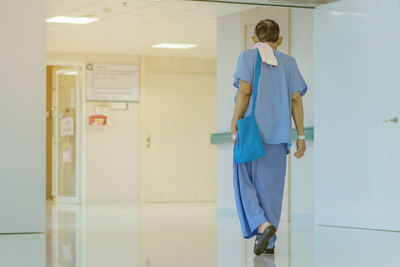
column 187, row 235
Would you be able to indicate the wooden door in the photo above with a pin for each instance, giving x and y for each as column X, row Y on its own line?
column 180, row 114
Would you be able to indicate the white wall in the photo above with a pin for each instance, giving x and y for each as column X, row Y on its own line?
column 228, row 32
column 302, row 170
column 229, row 46
column 357, row 162
column 302, row 49
column 112, row 155
column 22, row 116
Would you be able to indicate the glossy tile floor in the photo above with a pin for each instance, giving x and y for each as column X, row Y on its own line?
column 185, row 235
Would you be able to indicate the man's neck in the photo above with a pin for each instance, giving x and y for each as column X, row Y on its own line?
column 272, row 45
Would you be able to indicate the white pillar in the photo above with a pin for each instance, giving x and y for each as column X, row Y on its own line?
column 22, row 116
column 229, row 46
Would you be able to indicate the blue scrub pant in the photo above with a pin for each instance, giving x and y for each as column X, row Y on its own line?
column 258, row 188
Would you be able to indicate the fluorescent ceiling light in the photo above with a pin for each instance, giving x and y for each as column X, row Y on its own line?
column 174, row 46
column 72, row 20
column 358, row 14
column 74, row 72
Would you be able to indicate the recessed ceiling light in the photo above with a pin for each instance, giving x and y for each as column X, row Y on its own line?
column 72, row 20
column 174, row 46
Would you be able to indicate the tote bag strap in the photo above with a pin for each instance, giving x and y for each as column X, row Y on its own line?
column 256, row 80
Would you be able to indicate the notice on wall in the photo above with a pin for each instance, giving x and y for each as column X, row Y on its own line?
column 67, row 126
column 67, row 153
column 105, row 82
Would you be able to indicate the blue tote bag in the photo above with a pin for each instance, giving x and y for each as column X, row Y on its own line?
column 249, row 145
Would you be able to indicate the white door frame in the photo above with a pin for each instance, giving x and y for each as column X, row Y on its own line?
column 80, row 134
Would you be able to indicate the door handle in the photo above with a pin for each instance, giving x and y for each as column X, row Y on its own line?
column 394, row 120
column 148, row 141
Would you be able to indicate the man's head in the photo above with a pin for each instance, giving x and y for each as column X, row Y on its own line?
column 267, row 31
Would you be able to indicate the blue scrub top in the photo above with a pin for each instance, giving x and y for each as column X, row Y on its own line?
column 274, row 96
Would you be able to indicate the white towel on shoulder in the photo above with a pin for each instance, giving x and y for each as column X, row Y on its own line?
column 266, row 53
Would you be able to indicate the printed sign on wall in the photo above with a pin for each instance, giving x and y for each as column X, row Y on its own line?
column 105, row 82
column 67, row 126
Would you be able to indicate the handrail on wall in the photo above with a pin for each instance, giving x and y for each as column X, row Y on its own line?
column 225, row 137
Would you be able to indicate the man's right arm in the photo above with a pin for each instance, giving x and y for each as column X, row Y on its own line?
column 242, row 102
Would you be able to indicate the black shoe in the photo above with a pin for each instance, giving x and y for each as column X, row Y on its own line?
column 263, row 239
column 269, row 251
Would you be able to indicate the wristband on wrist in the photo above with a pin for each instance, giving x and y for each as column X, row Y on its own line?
column 301, row 137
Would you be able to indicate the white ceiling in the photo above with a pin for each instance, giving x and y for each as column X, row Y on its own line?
column 134, row 28
column 287, row 3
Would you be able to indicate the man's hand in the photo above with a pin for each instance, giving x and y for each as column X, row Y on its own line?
column 301, row 148
column 234, row 131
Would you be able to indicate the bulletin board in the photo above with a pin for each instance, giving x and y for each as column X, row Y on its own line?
column 113, row 83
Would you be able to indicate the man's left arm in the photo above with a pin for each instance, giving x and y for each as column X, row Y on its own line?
column 297, row 113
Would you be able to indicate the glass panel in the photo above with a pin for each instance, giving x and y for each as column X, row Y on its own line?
column 67, row 135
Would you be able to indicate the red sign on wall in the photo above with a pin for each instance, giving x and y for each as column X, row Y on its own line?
column 98, row 120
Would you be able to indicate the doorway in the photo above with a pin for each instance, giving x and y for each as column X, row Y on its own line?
column 64, row 133
column 179, row 164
